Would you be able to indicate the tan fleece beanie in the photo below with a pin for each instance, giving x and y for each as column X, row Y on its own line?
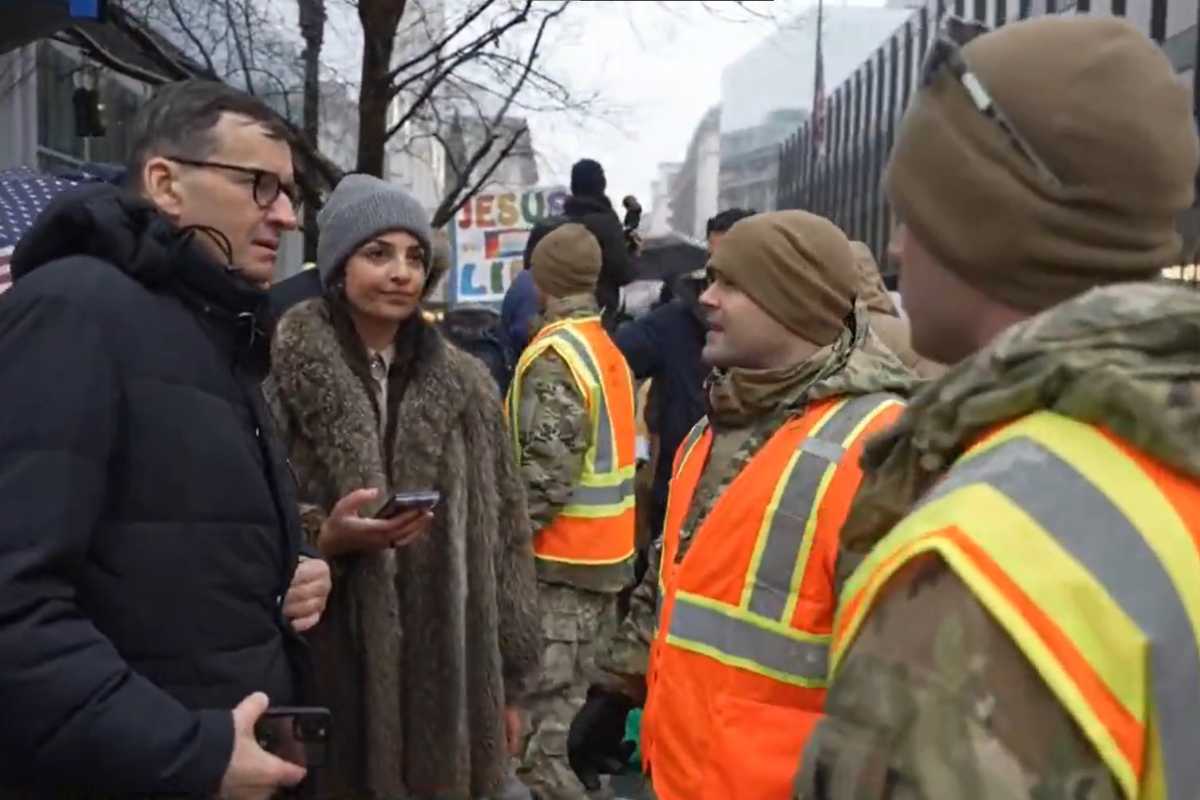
column 566, row 261
column 1100, row 104
column 796, row 266
column 871, row 288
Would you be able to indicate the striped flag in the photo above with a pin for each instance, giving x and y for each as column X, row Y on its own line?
column 5, row 272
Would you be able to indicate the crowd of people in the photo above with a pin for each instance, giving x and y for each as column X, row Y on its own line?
column 949, row 551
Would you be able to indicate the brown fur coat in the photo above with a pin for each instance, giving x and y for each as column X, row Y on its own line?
column 420, row 647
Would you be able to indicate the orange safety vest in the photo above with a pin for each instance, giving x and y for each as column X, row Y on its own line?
column 1087, row 551
column 597, row 524
column 738, row 666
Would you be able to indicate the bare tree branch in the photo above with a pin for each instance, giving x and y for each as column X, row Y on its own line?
column 452, row 202
column 150, row 45
column 454, row 198
column 239, row 48
column 437, row 46
column 200, row 48
column 462, row 56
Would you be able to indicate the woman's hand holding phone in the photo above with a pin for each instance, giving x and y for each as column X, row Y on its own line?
column 345, row 532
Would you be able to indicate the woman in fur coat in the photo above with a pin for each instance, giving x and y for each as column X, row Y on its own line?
column 431, row 630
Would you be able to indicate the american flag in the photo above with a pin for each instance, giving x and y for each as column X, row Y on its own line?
column 23, row 194
column 818, row 113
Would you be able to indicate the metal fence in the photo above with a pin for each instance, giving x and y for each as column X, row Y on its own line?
column 844, row 184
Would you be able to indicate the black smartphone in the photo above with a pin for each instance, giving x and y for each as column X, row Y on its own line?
column 299, row 734
column 409, row 501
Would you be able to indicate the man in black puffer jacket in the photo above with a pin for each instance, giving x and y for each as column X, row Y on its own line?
column 590, row 206
column 150, row 538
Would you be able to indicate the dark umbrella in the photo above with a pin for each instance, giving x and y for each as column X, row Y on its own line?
column 667, row 256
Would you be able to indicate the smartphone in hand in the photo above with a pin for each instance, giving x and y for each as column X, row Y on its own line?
column 299, row 734
column 409, row 501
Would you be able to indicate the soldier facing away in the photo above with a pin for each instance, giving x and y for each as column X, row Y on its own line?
column 1026, row 621
column 571, row 411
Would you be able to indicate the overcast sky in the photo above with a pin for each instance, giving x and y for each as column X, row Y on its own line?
column 660, row 63
column 657, row 65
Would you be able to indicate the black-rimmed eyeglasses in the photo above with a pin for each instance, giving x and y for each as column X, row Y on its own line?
column 946, row 52
column 267, row 185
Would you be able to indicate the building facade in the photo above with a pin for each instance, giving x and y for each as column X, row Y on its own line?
column 749, row 174
column 658, row 221
column 863, row 112
column 767, row 93
column 694, row 188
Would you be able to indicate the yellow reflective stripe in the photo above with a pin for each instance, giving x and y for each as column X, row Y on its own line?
column 737, row 638
column 1127, row 487
column 977, row 510
column 586, row 562
column 602, row 455
column 806, row 543
column 760, row 543
column 597, row 510
column 1147, row 561
column 600, row 460
column 532, row 352
column 694, row 437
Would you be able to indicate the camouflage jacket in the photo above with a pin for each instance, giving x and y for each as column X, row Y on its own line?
column 933, row 698
column 746, row 408
column 554, row 435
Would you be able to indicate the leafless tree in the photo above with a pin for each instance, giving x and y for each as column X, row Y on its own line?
column 312, row 28
column 462, row 79
column 470, row 73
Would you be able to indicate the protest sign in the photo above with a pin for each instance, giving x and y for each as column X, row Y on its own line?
column 487, row 240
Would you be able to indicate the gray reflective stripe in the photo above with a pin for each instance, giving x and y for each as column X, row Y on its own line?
column 746, row 642
column 773, row 581
column 826, row 450
column 602, row 495
column 1095, row 532
column 605, row 458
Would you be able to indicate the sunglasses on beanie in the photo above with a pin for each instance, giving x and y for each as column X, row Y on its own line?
column 946, row 53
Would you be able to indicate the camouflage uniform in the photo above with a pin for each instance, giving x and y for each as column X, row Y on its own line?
column 578, row 603
column 858, row 363
column 933, row 698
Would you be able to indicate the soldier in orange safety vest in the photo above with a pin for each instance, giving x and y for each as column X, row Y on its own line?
column 1026, row 620
column 728, row 634
column 571, row 414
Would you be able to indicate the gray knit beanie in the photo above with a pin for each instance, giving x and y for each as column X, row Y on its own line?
column 363, row 206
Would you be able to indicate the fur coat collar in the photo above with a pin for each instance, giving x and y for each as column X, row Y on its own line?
column 422, row 647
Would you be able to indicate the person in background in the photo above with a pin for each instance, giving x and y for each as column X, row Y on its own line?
column 665, row 346
column 150, row 573
column 727, row 632
column 589, row 206
column 518, row 314
column 885, row 319
column 1025, row 623
column 431, row 633
column 571, row 411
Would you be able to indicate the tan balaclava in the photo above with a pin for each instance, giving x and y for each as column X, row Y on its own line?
column 871, row 288
column 1100, row 105
column 796, row 266
column 566, row 261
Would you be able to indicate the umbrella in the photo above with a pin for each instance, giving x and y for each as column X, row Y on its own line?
column 667, row 256
column 23, row 194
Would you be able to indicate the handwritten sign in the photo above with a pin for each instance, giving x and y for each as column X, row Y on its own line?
column 487, row 240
